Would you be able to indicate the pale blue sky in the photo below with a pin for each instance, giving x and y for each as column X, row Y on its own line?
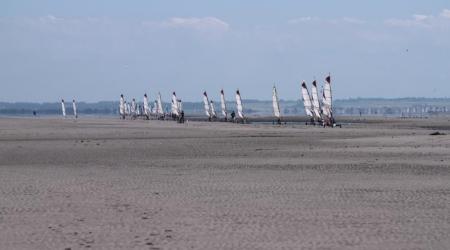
column 96, row 50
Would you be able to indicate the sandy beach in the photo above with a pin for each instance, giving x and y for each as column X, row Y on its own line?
column 111, row 184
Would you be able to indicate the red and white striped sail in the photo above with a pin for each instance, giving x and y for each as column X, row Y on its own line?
column 223, row 104
column 159, row 107
column 315, row 99
column 212, row 108
column 122, row 105
column 206, row 104
column 307, row 100
column 239, row 104
column 175, row 104
column 275, row 103
column 74, row 107
column 146, row 106
column 63, row 108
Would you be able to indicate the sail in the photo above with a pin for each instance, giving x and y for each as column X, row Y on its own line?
column 306, row 100
column 133, row 106
column 146, row 107
column 223, row 104
column 315, row 99
column 327, row 99
column 63, row 108
column 74, row 106
column 160, row 107
column 275, row 103
column 175, row 104
column 179, row 106
column 327, row 92
column 239, row 104
column 155, row 107
column 213, row 110
column 206, row 104
column 325, row 108
column 127, row 108
column 122, row 106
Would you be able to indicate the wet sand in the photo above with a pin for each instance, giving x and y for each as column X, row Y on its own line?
column 111, row 184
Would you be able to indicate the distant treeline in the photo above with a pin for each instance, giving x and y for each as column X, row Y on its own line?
column 357, row 106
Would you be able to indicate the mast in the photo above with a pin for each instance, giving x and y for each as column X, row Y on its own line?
column 315, row 99
column 306, row 100
column 206, row 104
column 239, row 104
column 223, row 104
column 74, row 106
column 276, row 104
column 63, row 108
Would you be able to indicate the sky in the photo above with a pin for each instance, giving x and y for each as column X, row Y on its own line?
column 96, row 50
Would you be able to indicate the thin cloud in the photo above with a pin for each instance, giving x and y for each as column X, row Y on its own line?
column 201, row 24
column 445, row 13
column 421, row 20
column 309, row 19
column 303, row 20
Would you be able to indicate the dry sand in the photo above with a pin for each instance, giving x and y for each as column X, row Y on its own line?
column 111, row 184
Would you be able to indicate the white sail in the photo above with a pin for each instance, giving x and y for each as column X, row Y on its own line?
column 63, row 108
column 122, row 106
column 275, row 103
column 74, row 106
column 325, row 108
column 127, row 108
column 146, row 106
column 306, row 100
column 239, row 104
column 174, row 104
column 223, row 104
column 206, row 104
column 160, row 107
column 155, row 108
column 180, row 106
column 133, row 107
column 327, row 97
column 315, row 99
column 213, row 110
